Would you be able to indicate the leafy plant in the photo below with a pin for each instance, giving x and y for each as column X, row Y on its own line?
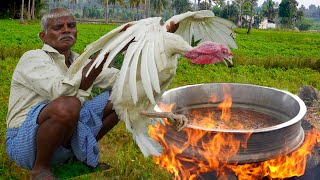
column 194, row 43
column 304, row 24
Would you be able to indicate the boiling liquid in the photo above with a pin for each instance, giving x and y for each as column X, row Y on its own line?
column 241, row 118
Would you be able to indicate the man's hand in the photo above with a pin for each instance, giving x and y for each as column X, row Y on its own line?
column 86, row 82
column 172, row 27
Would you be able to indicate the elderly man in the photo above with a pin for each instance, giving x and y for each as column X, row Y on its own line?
column 49, row 117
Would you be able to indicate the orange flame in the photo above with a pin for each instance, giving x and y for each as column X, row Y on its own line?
column 226, row 104
column 282, row 167
column 165, row 107
column 215, row 149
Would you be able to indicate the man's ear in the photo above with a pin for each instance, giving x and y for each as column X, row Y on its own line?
column 42, row 36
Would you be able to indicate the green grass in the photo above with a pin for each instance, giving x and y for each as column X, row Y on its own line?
column 270, row 48
column 22, row 37
column 289, row 79
column 280, row 59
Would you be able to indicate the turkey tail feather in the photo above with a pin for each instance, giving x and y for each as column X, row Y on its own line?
column 147, row 145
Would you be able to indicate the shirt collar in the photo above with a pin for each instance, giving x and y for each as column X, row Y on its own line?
column 73, row 56
column 50, row 49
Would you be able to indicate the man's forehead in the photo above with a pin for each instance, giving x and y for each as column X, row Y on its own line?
column 61, row 20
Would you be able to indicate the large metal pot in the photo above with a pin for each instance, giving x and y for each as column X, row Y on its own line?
column 263, row 143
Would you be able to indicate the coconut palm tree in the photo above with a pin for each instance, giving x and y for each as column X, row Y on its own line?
column 29, row 10
column 253, row 3
column 159, row 5
column 181, row 6
column 147, row 8
column 21, row 13
column 136, row 4
column 117, row 2
column 33, row 9
column 106, row 8
column 56, row 2
column 269, row 9
column 240, row 4
column 71, row 3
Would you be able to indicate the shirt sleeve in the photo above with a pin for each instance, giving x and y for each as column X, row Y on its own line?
column 37, row 71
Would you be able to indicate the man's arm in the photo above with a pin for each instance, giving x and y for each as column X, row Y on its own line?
column 87, row 81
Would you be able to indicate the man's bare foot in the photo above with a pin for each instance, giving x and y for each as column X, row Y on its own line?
column 103, row 167
column 100, row 167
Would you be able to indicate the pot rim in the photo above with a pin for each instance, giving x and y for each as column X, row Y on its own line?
column 294, row 120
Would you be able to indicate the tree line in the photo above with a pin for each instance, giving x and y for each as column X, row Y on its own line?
column 244, row 13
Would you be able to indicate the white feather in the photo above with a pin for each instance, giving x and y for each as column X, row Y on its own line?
column 133, row 73
column 124, row 68
column 225, row 22
column 94, row 47
column 215, row 35
column 224, row 32
column 184, row 30
column 145, row 77
column 147, row 145
column 113, row 49
column 159, row 49
column 197, row 23
column 126, row 119
column 152, row 68
column 105, row 38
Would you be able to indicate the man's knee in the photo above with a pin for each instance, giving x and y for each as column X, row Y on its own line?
column 65, row 109
column 111, row 120
column 68, row 106
column 114, row 118
column 108, row 109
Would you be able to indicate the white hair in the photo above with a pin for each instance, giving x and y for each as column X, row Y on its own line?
column 54, row 13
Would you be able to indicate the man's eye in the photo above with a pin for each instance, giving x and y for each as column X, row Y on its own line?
column 56, row 27
column 72, row 25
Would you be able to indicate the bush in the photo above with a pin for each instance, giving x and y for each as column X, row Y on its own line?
column 304, row 24
column 77, row 15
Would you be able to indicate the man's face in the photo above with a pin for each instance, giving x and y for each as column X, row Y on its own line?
column 61, row 33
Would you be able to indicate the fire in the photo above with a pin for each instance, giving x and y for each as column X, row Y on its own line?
column 226, row 104
column 282, row 167
column 216, row 151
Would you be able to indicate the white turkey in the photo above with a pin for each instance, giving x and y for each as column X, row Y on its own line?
column 150, row 61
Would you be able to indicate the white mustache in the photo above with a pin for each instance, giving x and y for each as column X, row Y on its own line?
column 66, row 36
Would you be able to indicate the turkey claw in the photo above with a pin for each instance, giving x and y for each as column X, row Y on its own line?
column 178, row 121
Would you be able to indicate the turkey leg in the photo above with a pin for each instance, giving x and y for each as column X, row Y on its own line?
column 179, row 121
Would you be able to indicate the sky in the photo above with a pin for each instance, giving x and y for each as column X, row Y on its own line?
column 306, row 3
